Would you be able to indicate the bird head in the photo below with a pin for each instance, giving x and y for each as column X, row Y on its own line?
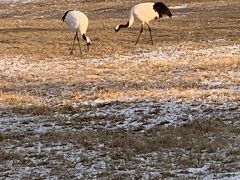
column 162, row 9
column 88, row 41
column 169, row 13
column 117, row 28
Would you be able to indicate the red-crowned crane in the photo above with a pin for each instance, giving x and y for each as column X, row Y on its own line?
column 77, row 21
column 145, row 12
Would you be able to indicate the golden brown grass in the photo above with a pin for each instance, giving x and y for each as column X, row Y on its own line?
column 39, row 78
column 127, row 80
column 36, row 30
column 35, row 33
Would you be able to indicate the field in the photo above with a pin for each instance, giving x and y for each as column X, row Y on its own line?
column 169, row 110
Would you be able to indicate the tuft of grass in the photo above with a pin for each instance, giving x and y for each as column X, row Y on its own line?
column 9, row 156
column 34, row 110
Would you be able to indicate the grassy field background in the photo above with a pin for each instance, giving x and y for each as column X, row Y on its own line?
column 121, row 111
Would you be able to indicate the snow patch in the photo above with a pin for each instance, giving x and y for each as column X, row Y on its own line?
column 21, row 1
column 183, row 6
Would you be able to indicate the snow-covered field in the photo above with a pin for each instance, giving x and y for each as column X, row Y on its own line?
column 20, row 1
column 39, row 156
column 169, row 112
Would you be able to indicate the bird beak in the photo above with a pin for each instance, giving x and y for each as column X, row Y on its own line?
column 169, row 14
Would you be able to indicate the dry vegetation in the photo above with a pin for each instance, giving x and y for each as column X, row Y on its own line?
column 120, row 111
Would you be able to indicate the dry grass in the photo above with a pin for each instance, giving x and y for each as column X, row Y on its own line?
column 36, row 30
column 36, row 33
column 176, row 148
column 135, row 80
column 45, row 87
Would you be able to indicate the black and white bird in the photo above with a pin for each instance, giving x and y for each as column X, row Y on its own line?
column 145, row 12
column 77, row 21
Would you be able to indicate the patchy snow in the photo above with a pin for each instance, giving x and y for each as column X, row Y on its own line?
column 194, row 171
column 76, row 155
column 21, row 1
column 146, row 115
column 183, row 6
column 174, row 53
column 133, row 115
column 178, row 53
column 41, row 158
column 205, row 173
column 105, row 114
column 16, row 123
column 17, row 67
column 223, row 176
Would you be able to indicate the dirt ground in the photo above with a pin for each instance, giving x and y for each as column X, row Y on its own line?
column 169, row 110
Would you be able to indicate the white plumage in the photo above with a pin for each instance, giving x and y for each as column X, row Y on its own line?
column 145, row 12
column 77, row 21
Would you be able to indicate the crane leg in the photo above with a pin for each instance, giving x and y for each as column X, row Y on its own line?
column 79, row 44
column 85, row 39
column 73, row 43
column 141, row 30
column 150, row 32
column 88, row 47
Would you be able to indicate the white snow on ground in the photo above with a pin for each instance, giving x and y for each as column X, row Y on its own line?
column 16, row 67
column 170, row 112
column 135, row 116
column 146, row 115
column 208, row 5
column 183, row 6
column 223, row 176
column 143, row 115
column 20, row 1
column 204, row 172
column 178, row 53
column 89, row 163
column 140, row 115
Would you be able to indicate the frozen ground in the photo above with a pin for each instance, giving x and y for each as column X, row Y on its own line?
column 40, row 157
column 20, row 1
column 52, row 137
column 30, row 152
